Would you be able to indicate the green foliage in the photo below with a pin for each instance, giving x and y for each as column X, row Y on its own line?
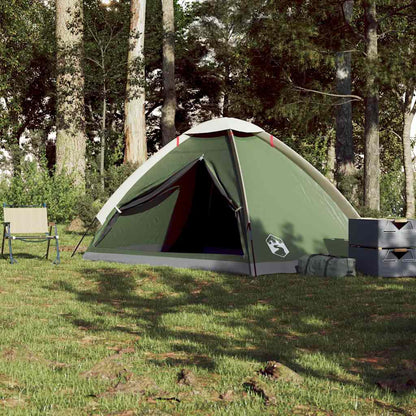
column 242, row 59
column 35, row 186
column 115, row 176
column 105, row 67
column 26, row 69
column 90, row 203
column 314, row 148
column 348, row 186
column 392, row 197
column 299, row 54
column 368, row 212
column 87, row 208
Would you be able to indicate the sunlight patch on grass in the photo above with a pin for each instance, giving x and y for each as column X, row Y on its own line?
column 314, row 321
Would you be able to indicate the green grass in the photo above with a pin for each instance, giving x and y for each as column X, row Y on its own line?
column 97, row 338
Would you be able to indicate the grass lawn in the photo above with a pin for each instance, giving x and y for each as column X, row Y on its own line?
column 95, row 338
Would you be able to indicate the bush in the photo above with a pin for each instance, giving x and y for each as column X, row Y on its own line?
column 392, row 191
column 89, row 205
column 87, row 208
column 392, row 194
column 369, row 213
column 35, row 186
column 115, row 176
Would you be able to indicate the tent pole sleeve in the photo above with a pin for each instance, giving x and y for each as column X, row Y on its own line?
column 244, row 198
column 82, row 238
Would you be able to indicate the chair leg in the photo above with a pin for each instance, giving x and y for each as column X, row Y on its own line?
column 49, row 243
column 58, row 256
column 2, row 242
column 12, row 260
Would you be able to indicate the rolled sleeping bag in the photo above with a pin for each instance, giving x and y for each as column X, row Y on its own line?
column 324, row 265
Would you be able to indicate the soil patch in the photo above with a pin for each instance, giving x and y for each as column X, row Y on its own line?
column 132, row 385
column 110, row 368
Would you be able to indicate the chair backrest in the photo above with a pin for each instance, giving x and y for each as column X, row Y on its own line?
column 26, row 220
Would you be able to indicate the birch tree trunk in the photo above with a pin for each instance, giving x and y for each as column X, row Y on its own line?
column 371, row 130
column 103, row 118
column 169, row 93
column 135, row 123
column 331, row 156
column 409, row 113
column 344, row 148
column 227, row 88
column 70, row 115
column 103, row 136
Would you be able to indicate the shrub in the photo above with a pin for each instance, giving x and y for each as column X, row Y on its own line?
column 35, row 186
column 88, row 207
column 392, row 195
column 368, row 212
column 89, row 204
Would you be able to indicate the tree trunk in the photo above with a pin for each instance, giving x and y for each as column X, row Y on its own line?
column 409, row 113
column 226, row 104
column 103, row 137
column 331, row 154
column 226, row 94
column 371, row 131
column 169, row 98
column 135, row 123
column 70, row 115
column 344, row 148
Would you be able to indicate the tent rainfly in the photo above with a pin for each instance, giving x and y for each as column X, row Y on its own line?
column 224, row 196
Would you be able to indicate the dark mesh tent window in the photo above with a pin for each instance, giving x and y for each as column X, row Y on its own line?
column 203, row 220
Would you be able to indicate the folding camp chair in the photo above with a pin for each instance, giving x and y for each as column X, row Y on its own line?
column 25, row 224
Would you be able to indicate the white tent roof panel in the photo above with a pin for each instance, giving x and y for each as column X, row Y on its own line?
column 222, row 124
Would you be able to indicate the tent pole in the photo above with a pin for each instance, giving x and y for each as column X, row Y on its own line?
column 244, row 197
column 82, row 238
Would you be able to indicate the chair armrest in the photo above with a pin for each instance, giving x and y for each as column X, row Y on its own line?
column 51, row 224
column 5, row 222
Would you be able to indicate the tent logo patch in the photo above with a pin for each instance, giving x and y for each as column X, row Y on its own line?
column 277, row 246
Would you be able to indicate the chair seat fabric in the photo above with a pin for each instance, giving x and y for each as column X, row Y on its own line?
column 26, row 220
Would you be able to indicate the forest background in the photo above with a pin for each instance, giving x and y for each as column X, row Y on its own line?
column 333, row 79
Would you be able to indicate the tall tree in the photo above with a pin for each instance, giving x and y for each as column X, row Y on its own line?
column 26, row 80
column 71, row 138
column 220, row 28
column 331, row 159
column 408, row 116
column 371, row 128
column 106, row 48
column 169, row 92
column 134, row 123
column 396, row 82
column 345, row 169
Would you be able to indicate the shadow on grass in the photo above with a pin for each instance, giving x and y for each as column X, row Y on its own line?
column 27, row 256
column 323, row 327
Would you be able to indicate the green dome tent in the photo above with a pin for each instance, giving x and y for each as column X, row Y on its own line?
column 224, row 196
